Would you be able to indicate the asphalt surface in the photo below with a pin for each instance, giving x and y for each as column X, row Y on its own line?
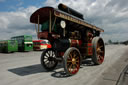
column 123, row 78
column 117, row 73
column 23, row 68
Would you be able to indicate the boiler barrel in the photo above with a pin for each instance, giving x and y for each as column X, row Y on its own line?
column 63, row 44
column 70, row 11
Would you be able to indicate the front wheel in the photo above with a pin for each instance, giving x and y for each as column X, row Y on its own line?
column 72, row 61
column 48, row 59
column 98, row 50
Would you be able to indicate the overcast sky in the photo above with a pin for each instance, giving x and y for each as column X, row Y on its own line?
column 110, row 15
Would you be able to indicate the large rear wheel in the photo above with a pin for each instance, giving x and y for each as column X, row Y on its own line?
column 72, row 61
column 48, row 59
column 98, row 50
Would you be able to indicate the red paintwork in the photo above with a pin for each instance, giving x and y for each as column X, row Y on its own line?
column 89, row 45
column 61, row 53
column 90, row 37
column 89, row 50
column 80, row 42
column 75, row 43
column 43, row 35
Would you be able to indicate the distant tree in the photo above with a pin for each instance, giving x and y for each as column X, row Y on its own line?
column 109, row 41
column 118, row 42
column 125, row 42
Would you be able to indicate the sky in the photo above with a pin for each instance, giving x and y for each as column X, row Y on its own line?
column 110, row 15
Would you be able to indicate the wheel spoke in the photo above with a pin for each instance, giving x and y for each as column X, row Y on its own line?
column 46, row 57
column 70, row 66
column 101, row 47
column 98, row 59
column 77, row 58
column 47, row 54
column 70, row 56
column 51, row 53
column 45, row 60
column 50, row 64
column 76, row 65
column 69, row 61
column 72, row 53
column 101, row 57
column 77, row 61
column 76, row 54
column 101, row 51
column 75, row 69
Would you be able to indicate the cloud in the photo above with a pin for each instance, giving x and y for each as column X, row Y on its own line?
column 110, row 15
column 50, row 3
column 2, row 0
column 16, row 23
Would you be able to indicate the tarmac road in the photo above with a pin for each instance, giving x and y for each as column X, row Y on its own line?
column 117, row 73
column 123, row 78
column 23, row 68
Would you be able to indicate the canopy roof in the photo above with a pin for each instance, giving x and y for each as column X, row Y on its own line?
column 43, row 14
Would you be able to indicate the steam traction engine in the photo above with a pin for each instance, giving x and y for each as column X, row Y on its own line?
column 72, row 39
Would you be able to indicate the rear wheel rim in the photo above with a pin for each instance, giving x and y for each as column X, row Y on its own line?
column 100, row 51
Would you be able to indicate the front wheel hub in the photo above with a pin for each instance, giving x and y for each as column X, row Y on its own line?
column 73, row 61
column 50, row 58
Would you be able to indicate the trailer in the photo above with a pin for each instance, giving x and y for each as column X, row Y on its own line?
column 24, row 42
column 72, row 38
column 7, row 46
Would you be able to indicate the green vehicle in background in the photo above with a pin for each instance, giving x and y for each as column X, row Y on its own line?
column 7, row 46
column 24, row 42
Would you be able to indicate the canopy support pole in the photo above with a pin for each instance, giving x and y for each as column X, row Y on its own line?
column 36, row 30
column 38, row 24
column 50, row 23
column 54, row 23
